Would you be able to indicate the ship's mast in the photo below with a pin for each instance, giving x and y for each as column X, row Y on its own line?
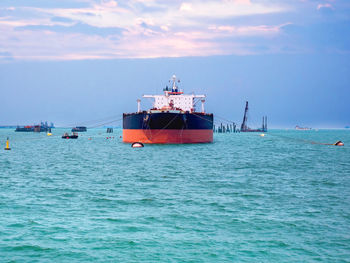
column 174, row 83
column 244, row 123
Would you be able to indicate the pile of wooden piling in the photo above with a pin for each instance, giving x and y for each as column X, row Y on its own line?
column 228, row 128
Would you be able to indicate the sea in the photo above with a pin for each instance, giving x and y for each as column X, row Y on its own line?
column 282, row 197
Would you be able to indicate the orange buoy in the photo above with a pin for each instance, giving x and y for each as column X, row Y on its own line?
column 339, row 143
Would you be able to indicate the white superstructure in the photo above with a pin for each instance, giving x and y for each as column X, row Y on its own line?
column 174, row 99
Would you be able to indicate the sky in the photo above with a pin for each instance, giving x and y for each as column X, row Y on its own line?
column 70, row 61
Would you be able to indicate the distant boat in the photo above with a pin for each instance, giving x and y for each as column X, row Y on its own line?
column 42, row 127
column 79, row 129
column 244, row 126
column 72, row 136
column 302, row 128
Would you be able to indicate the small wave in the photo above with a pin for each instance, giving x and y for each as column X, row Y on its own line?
column 147, row 200
column 30, row 248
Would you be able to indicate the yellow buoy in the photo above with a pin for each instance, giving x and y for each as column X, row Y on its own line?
column 262, row 135
column 49, row 134
column 7, row 144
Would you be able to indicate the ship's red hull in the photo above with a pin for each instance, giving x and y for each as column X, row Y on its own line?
column 161, row 136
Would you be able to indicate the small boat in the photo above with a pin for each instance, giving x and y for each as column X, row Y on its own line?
column 74, row 135
column 79, row 129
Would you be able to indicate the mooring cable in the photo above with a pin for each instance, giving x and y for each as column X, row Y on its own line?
column 338, row 143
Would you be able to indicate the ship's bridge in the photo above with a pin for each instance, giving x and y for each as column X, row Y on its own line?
column 180, row 102
column 174, row 99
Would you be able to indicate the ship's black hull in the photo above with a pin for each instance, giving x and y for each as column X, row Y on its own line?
column 70, row 137
column 24, row 130
column 168, row 120
column 168, row 127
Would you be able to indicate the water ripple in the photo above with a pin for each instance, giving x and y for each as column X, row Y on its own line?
column 243, row 198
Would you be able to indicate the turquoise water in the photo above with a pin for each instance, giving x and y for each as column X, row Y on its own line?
column 243, row 198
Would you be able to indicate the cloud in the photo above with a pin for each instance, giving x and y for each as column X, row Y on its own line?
column 326, row 5
column 109, row 3
column 61, row 19
column 325, row 37
column 105, row 14
column 248, row 30
column 75, row 28
column 151, row 28
column 45, row 3
column 186, row 7
column 6, row 56
column 221, row 9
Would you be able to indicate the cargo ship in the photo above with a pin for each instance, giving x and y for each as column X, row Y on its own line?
column 42, row 127
column 173, row 119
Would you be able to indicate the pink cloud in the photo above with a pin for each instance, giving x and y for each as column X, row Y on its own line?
column 248, row 30
column 241, row 2
column 326, row 5
column 108, row 3
column 163, row 33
